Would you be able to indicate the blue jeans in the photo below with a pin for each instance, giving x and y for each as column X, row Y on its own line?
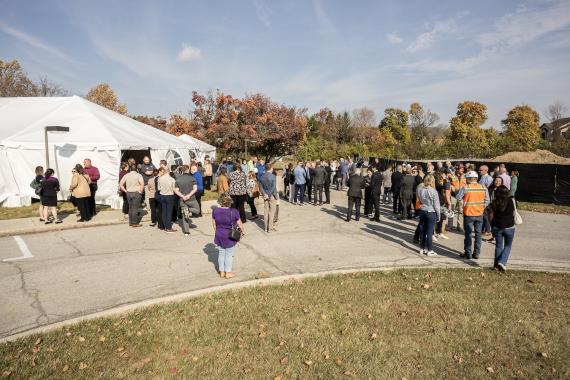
column 167, row 206
column 225, row 259
column 504, row 239
column 427, row 225
column 472, row 223
column 299, row 189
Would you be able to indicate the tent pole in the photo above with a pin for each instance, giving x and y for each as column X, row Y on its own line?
column 46, row 146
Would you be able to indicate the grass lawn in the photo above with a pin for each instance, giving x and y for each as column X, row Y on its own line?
column 32, row 210
column 544, row 207
column 400, row 324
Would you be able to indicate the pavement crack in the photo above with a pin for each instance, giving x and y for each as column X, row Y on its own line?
column 34, row 294
column 260, row 256
column 76, row 250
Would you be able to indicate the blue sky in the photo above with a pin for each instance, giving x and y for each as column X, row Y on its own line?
column 340, row 54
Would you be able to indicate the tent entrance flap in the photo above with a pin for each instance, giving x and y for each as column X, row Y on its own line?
column 138, row 155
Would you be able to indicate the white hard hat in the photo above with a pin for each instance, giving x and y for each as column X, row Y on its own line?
column 471, row 174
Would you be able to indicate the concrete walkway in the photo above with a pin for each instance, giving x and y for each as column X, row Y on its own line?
column 56, row 276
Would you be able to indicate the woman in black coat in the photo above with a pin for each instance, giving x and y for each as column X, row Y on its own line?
column 48, row 193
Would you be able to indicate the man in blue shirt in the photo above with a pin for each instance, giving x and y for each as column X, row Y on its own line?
column 260, row 169
column 200, row 182
column 268, row 190
column 300, row 181
column 344, row 169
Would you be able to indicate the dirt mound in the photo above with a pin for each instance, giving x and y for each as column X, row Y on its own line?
column 539, row 156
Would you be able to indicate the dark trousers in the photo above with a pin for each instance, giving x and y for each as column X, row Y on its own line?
column 158, row 204
column 396, row 202
column 167, row 207
column 134, row 199
column 208, row 182
column 319, row 193
column 327, row 192
column 199, row 200
column 376, row 205
column 152, row 204
column 300, row 190
column 125, row 203
column 406, row 201
column 309, row 190
column 238, row 204
column 83, row 205
column 356, row 201
column 251, row 202
column 367, row 201
column 92, row 205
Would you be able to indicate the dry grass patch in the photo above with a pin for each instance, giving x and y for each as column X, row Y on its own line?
column 401, row 324
column 544, row 208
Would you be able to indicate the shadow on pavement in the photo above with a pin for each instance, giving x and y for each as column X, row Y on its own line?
column 211, row 250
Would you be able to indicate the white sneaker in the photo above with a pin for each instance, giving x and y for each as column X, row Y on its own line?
column 421, row 251
column 442, row 236
column 434, row 238
column 431, row 254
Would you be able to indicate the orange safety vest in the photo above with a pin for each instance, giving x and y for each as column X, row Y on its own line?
column 457, row 183
column 474, row 200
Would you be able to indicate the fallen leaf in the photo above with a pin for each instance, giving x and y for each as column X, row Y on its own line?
column 409, row 288
column 338, row 361
column 308, row 363
column 68, row 334
column 428, row 275
column 38, row 341
column 281, row 343
column 490, row 370
column 247, row 370
column 262, row 334
column 173, row 370
column 426, row 286
column 6, row 373
column 348, row 373
column 184, row 353
column 373, row 336
column 323, row 316
column 194, row 358
column 83, row 365
column 471, row 279
column 543, row 354
column 102, row 339
column 35, row 350
column 81, row 339
column 326, row 355
column 65, row 368
column 482, row 274
column 284, row 360
column 305, row 311
column 369, row 316
column 277, row 378
column 139, row 333
column 479, row 351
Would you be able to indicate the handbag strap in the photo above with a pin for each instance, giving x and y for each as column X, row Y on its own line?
column 514, row 204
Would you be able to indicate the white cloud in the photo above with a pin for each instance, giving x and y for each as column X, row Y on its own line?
column 34, row 42
column 427, row 39
column 394, row 39
column 263, row 12
column 326, row 26
column 189, row 53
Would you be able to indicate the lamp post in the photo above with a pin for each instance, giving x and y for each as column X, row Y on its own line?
column 246, row 141
column 52, row 128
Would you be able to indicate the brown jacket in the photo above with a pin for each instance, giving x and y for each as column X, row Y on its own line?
column 223, row 185
column 151, row 187
column 80, row 186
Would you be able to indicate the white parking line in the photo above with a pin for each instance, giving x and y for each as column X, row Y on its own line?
column 26, row 254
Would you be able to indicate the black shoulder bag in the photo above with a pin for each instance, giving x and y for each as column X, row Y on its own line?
column 235, row 233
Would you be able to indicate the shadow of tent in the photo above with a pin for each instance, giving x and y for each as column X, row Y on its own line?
column 211, row 251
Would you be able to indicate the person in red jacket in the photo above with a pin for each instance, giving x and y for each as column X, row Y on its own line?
column 94, row 175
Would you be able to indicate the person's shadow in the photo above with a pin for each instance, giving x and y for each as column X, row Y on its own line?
column 338, row 211
column 211, row 251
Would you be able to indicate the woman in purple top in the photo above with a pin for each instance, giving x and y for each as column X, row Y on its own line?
column 223, row 218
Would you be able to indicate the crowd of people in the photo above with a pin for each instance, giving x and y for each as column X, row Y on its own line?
column 440, row 196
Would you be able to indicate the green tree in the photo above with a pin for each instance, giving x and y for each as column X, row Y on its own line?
column 396, row 121
column 522, row 128
column 467, row 138
column 104, row 95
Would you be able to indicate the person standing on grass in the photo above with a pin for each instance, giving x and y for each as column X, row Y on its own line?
column 200, row 183
column 133, row 185
column 430, row 213
column 48, row 192
column 300, row 182
column 222, row 184
column 502, row 214
column 36, row 185
column 186, row 188
column 94, row 175
column 81, row 192
column 238, row 190
column 319, row 178
column 223, row 218
column 166, row 184
column 474, row 197
column 151, row 186
column 268, row 189
column 252, row 193
column 355, row 186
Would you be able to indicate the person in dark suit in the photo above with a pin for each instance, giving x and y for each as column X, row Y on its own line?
column 396, row 184
column 355, row 186
column 407, row 194
column 367, row 192
column 375, row 190
column 318, row 176
column 328, row 170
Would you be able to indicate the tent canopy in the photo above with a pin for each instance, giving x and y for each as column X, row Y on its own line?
column 95, row 132
column 199, row 147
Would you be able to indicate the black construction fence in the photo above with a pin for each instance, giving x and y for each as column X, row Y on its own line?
column 544, row 183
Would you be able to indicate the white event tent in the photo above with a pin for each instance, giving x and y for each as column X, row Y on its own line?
column 95, row 132
column 201, row 149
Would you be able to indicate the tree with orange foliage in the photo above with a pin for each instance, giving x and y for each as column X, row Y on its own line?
column 104, row 95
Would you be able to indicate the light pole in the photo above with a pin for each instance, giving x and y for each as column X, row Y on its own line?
column 251, row 141
column 52, row 128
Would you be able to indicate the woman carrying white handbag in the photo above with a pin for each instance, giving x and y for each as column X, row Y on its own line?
column 503, row 215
